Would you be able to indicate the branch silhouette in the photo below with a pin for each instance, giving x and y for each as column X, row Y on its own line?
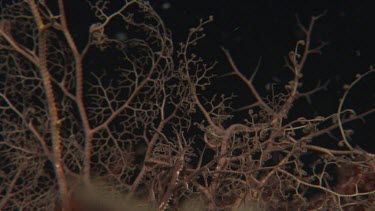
column 126, row 124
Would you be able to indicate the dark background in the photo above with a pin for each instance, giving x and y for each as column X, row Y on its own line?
column 268, row 29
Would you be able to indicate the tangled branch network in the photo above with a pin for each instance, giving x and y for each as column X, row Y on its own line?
column 127, row 124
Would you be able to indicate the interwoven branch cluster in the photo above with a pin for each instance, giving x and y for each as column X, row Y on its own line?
column 127, row 124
